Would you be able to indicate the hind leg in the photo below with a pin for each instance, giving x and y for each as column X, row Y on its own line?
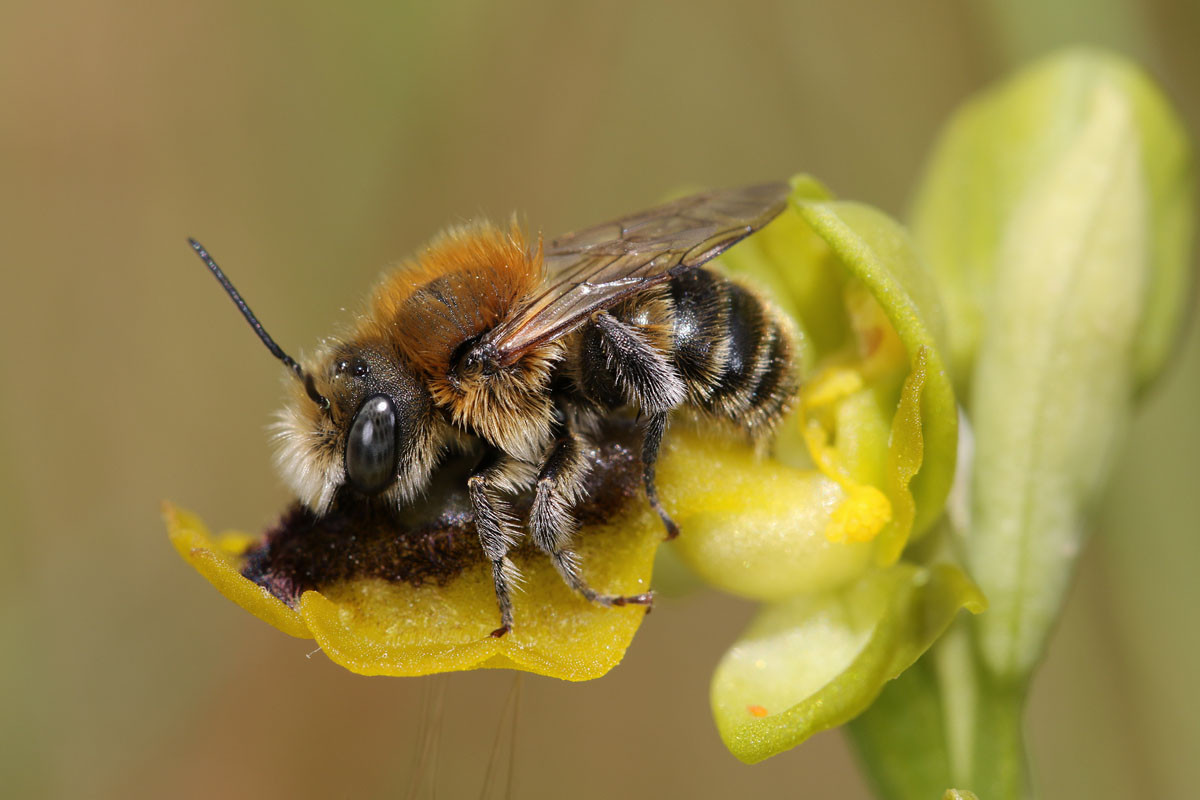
column 559, row 487
column 650, row 381
column 656, row 425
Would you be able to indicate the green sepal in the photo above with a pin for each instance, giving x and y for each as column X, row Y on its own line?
column 814, row 662
column 877, row 251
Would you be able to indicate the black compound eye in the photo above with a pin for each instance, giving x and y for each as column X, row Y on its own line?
column 371, row 445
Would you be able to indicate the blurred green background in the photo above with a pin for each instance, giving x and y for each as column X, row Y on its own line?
column 308, row 145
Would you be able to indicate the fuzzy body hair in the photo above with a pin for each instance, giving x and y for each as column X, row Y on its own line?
column 308, row 451
column 464, row 284
column 418, row 317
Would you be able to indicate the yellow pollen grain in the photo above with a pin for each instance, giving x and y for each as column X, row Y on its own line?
column 860, row 517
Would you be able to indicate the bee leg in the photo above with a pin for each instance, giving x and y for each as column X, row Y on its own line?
column 656, row 425
column 559, row 486
column 497, row 529
column 645, row 374
column 650, row 381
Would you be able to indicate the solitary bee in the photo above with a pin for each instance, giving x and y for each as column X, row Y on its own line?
column 489, row 344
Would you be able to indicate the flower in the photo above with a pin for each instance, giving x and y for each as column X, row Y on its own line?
column 861, row 468
column 815, row 529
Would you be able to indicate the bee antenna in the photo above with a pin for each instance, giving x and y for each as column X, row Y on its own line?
column 275, row 349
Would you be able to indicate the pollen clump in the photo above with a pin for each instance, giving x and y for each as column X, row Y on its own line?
column 865, row 509
column 861, row 515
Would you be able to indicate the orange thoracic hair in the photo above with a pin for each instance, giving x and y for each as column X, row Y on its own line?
column 462, row 285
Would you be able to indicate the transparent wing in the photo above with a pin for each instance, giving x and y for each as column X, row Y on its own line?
column 590, row 270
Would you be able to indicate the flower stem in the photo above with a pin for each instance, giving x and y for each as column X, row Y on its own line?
column 984, row 721
column 999, row 764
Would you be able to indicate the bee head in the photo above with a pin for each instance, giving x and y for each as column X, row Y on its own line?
column 359, row 420
column 377, row 437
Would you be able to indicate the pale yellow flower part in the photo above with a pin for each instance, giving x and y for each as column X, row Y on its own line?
column 861, row 516
column 865, row 510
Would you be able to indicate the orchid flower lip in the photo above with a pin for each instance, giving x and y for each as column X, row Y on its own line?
column 432, row 542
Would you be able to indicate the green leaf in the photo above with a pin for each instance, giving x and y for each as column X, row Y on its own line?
column 902, row 737
column 813, row 662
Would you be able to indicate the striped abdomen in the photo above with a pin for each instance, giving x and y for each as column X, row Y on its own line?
column 734, row 351
column 721, row 349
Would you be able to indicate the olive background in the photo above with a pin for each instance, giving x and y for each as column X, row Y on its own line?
column 310, row 144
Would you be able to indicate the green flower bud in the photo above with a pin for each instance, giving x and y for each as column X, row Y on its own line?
column 1056, row 216
column 995, row 148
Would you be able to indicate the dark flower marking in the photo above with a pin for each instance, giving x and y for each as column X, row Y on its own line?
column 433, row 540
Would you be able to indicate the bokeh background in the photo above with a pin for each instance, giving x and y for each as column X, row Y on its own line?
column 308, row 144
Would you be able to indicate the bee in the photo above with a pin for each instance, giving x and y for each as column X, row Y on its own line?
column 498, row 347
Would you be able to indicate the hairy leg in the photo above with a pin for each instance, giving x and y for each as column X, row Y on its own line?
column 498, row 530
column 656, row 425
column 651, row 382
column 559, row 488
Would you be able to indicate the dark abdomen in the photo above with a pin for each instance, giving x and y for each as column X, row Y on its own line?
column 734, row 350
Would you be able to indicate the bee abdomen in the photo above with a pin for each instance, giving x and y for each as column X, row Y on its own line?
column 700, row 316
column 734, row 351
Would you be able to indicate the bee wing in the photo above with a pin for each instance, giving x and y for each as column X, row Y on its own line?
column 592, row 269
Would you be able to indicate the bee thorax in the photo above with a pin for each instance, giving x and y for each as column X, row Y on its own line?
column 474, row 361
column 511, row 407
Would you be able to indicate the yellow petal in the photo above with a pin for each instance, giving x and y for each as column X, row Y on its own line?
column 218, row 562
column 374, row 627
column 413, row 595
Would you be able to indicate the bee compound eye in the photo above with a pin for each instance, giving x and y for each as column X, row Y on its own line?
column 371, row 445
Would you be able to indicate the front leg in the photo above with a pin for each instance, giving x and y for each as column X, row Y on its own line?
column 498, row 530
column 559, row 488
